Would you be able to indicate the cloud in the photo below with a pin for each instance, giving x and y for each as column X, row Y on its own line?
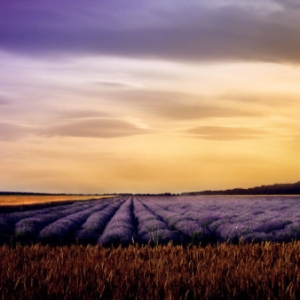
column 75, row 115
column 93, row 128
column 170, row 30
column 5, row 99
column 226, row 133
column 3, row 102
column 288, row 4
column 10, row 131
column 112, row 84
column 179, row 106
column 185, row 111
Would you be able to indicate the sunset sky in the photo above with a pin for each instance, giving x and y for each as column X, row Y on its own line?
column 148, row 96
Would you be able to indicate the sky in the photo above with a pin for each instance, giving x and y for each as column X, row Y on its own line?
column 148, row 96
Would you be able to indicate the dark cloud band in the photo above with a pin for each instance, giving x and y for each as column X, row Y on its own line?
column 191, row 32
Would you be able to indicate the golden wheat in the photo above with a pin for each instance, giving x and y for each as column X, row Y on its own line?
column 245, row 271
column 39, row 199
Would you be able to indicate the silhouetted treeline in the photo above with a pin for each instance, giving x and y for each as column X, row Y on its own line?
column 275, row 189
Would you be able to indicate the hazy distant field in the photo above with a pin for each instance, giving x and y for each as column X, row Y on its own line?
column 157, row 220
column 35, row 199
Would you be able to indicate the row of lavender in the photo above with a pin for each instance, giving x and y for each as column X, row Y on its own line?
column 229, row 218
column 158, row 220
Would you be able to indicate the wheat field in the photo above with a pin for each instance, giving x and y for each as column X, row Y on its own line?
column 226, row 271
column 39, row 199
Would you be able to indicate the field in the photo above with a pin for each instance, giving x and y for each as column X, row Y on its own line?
column 38, row 199
column 245, row 271
column 152, row 247
column 156, row 220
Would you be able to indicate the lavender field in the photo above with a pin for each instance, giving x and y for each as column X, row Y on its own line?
column 157, row 220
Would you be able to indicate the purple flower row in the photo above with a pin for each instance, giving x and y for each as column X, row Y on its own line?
column 31, row 226
column 93, row 227
column 151, row 228
column 120, row 229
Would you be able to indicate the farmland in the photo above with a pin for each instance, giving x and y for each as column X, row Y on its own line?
column 245, row 271
column 15, row 199
column 156, row 220
column 153, row 247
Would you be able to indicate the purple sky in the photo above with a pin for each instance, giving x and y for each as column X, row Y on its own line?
column 148, row 96
column 184, row 30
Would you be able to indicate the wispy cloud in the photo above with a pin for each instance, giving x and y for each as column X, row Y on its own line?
column 94, row 128
column 3, row 102
column 75, row 115
column 186, row 111
column 288, row 4
column 10, row 131
column 226, row 133
column 113, row 84
column 180, row 106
